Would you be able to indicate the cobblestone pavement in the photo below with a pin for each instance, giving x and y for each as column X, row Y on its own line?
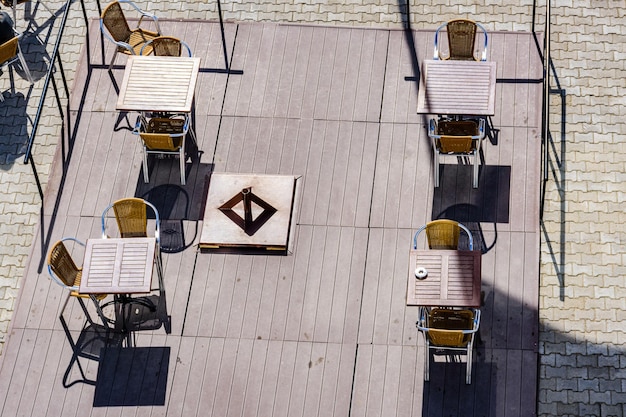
column 583, row 284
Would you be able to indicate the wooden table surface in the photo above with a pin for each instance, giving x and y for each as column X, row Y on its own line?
column 465, row 88
column 158, row 84
column 453, row 278
column 118, row 266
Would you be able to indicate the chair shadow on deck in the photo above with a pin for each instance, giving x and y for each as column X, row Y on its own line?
column 489, row 203
column 132, row 376
column 138, row 314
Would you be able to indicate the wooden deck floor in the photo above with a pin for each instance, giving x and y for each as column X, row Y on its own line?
column 325, row 330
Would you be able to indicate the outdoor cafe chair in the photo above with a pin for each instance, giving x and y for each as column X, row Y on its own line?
column 164, row 136
column 64, row 271
column 461, row 41
column 165, row 46
column 458, row 138
column 447, row 329
column 128, row 41
column 131, row 215
column 443, row 234
column 10, row 52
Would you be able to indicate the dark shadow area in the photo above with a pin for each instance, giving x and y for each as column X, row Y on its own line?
column 447, row 394
column 555, row 169
column 457, row 200
column 174, row 201
column 132, row 376
column 14, row 125
column 89, row 344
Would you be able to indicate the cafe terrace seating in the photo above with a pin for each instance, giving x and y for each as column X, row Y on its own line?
column 458, row 138
column 165, row 46
column 129, row 41
column 461, row 41
column 449, row 330
column 443, row 234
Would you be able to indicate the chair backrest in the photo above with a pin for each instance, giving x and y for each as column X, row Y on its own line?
column 115, row 21
column 443, row 234
column 461, row 39
column 60, row 262
column 8, row 50
column 131, row 215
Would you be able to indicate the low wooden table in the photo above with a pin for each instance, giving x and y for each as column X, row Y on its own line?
column 453, row 278
column 118, row 266
column 463, row 88
column 158, row 84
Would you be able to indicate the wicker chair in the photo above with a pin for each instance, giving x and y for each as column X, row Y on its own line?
column 165, row 46
column 458, row 138
column 63, row 271
column 10, row 52
column 461, row 41
column 165, row 136
column 443, row 234
column 449, row 330
column 131, row 215
column 128, row 41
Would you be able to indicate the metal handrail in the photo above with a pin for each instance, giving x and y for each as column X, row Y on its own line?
column 28, row 157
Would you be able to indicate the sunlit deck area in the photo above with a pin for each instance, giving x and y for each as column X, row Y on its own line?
column 324, row 330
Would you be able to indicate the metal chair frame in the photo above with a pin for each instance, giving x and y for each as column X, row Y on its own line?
column 125, row 45
column 163, row 142
column 464, row 338
column 474, row 150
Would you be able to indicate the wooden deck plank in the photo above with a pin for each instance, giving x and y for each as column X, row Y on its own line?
column 313, row 74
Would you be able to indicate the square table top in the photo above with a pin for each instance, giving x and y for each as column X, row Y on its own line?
column 453, row 278
column 158, row 84
column 118, row 266
column 451, row 87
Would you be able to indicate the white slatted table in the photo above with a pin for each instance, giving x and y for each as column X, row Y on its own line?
column 464, row 88
column 118, row 266
column 158, row 84
column 453, row 278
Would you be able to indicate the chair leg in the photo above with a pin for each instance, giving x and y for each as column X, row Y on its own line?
column 146, row 177
column 427, row 360
column 29, row 77
column 475, row 169
column 181, row 157
column 468, row 370
column 436, row 162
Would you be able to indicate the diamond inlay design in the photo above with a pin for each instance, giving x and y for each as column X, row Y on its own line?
column 249, row 224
